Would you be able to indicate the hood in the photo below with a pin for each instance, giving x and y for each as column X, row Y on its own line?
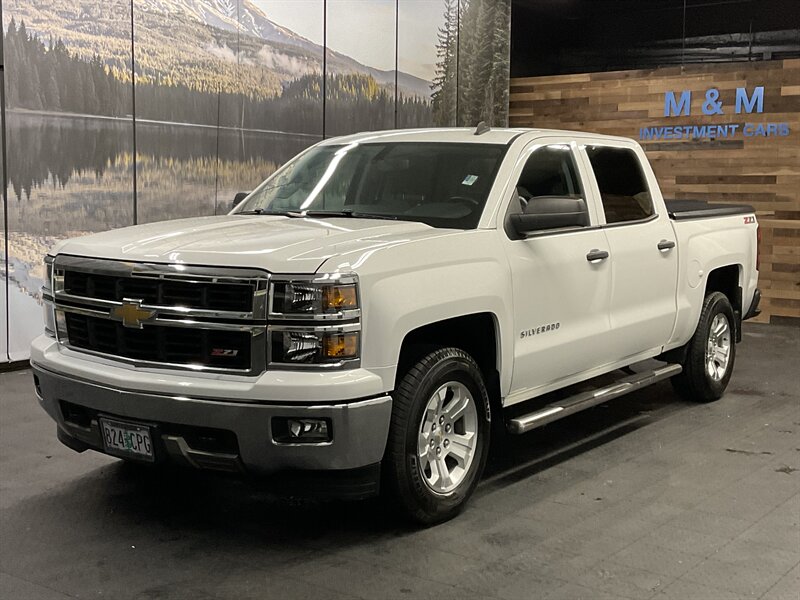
column 275, row 243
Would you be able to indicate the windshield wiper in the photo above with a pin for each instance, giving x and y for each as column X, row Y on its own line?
column 348, row 213
column 261, row 211
column 351, row 214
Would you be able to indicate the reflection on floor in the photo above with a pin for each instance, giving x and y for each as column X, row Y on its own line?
column 648, row 497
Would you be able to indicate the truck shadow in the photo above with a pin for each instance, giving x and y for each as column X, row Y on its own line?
column 514, row 458
column 190, row 512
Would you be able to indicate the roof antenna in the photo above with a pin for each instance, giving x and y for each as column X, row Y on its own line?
column 482, row 128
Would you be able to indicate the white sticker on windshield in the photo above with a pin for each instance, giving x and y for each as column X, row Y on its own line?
column 469, row 179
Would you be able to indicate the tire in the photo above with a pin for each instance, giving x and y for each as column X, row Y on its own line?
column 432, row 485
column 705, row 376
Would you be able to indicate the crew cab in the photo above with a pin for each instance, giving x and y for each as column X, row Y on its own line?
column 362, row 318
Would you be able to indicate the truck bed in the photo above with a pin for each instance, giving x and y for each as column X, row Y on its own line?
column 684, row 210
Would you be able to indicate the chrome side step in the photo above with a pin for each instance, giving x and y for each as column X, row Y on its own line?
column 584, row 400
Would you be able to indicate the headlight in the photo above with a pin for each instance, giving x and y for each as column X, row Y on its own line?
column 320, row 298
column 300, row 309
column 314, row 346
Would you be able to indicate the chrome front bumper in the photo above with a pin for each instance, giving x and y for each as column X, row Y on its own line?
column 359, row 428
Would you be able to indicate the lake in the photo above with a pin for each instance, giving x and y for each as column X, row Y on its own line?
column 70, row 175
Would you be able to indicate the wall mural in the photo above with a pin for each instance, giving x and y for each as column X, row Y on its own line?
column 3, row 278
column 68, row 138
column 225, row 92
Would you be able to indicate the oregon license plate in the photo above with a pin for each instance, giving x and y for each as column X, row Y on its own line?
column 128, row 440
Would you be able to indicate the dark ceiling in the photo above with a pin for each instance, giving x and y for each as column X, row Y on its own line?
column 571, row 36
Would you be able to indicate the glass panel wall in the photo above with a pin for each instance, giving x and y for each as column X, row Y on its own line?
column 361, row 62
column 68, row 138
column 427, row 57
column 276, row 111
column 223, row 94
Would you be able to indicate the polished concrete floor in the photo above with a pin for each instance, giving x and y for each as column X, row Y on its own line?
column 648, row 497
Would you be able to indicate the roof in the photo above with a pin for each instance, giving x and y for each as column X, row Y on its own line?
column 498, row 135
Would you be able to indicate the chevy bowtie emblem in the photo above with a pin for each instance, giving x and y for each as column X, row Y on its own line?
column 132, row 314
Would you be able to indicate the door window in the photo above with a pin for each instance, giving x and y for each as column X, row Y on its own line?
column 623, row 187
column 550, row 171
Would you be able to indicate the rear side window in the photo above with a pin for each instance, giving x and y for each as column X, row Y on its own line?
column 623, row 187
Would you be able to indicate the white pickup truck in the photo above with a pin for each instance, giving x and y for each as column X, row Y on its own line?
column 357, row 321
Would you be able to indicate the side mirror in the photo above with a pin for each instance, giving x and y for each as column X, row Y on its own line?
column 237, row 199
column 550, row 212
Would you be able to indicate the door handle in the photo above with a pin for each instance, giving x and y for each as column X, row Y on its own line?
column 666, row 245
column 596, row 255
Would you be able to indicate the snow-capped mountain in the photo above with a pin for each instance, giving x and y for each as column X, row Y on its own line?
column 249, row 20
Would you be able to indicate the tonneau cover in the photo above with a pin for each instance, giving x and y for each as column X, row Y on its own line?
column 682, row 210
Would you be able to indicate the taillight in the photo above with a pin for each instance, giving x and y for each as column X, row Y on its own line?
column 758, row 247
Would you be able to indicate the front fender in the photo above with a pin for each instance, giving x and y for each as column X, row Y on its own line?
column 407, row 286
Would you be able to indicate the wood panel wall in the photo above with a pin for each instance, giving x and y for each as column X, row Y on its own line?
column 761, row 171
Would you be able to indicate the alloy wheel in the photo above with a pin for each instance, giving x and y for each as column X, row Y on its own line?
column 718, row 348
column 448, row 436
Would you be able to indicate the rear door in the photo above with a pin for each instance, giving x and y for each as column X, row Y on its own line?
column 560, row 297
column 642, row 244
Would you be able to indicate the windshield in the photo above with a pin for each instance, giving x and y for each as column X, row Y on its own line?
column 441, row 184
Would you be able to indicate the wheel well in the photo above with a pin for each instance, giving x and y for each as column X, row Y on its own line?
column 726, row 280
column 474, row 334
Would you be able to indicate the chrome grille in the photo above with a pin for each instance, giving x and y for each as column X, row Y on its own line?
column 235, row 297
column 176, row 346
column 174, row 316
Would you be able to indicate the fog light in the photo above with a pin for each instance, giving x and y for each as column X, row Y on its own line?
column 305, row 428
column 287, row 430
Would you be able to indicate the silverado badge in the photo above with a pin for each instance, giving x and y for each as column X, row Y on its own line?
column 131, row 313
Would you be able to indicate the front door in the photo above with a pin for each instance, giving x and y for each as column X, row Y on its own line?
column 560, row 293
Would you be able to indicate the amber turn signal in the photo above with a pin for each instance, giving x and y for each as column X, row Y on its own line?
column 340, row 345
column 339, row 297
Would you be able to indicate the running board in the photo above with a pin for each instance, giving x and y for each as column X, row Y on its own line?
column 584, row 400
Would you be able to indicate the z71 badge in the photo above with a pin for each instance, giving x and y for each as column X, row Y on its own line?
column 227, row 352
column 537, row 330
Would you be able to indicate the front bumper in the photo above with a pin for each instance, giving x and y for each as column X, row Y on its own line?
column 359, row 428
